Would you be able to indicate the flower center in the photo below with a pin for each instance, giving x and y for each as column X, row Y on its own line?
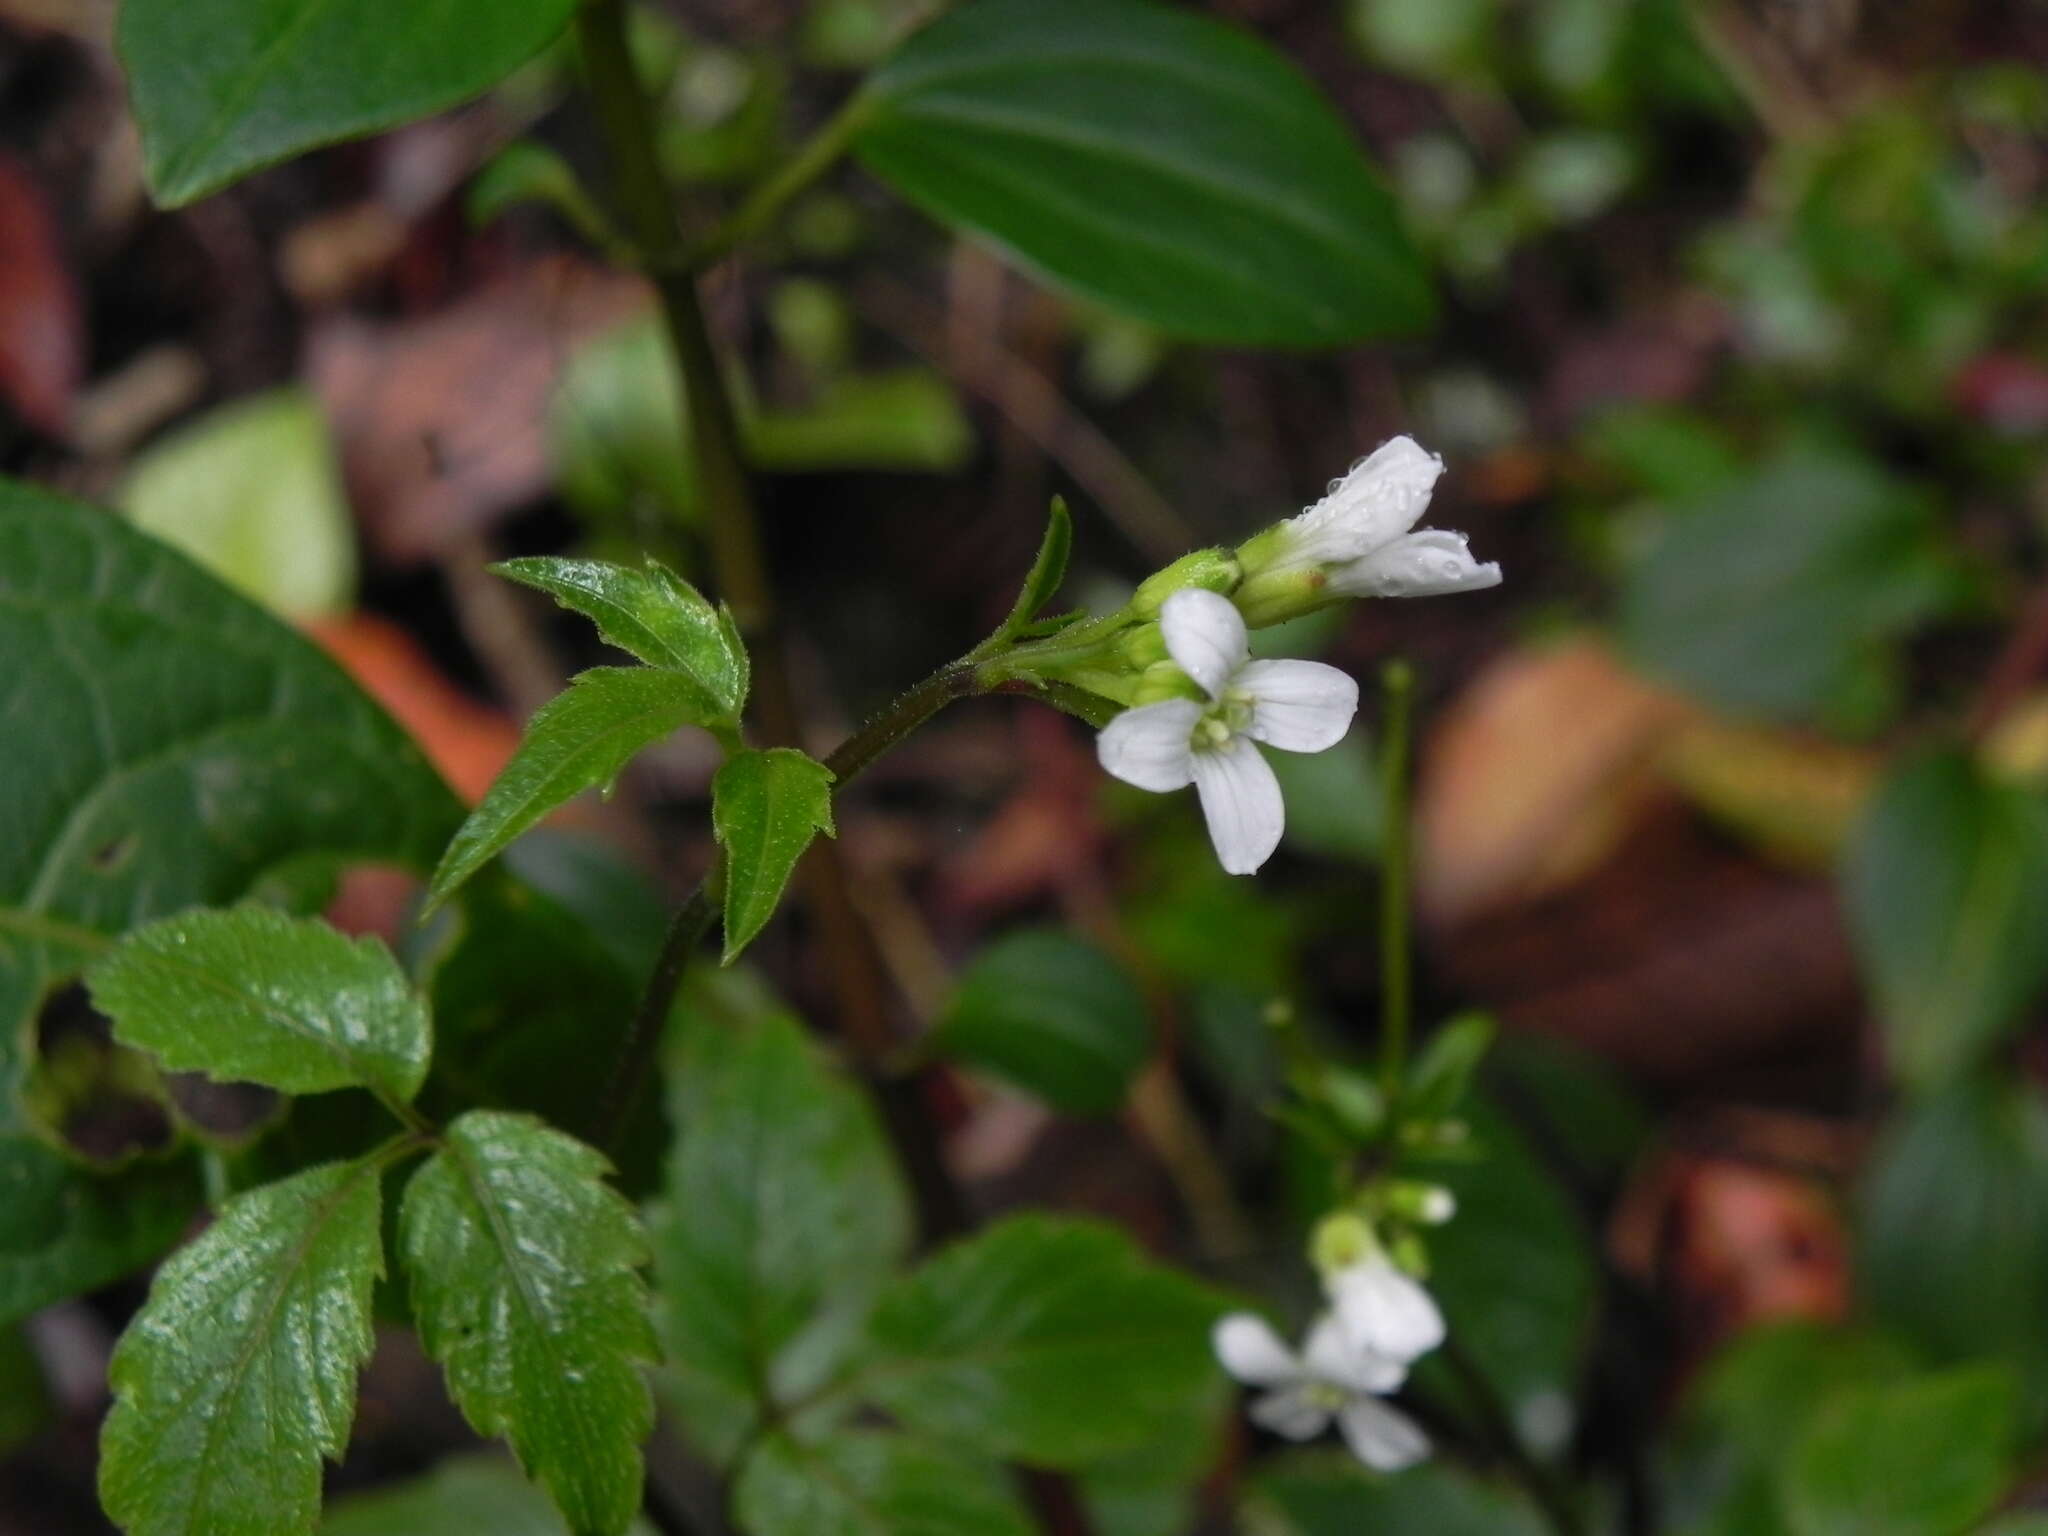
column 1326, row 1396
column 1225, row 718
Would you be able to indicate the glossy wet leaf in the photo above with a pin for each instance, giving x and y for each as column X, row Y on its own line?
column 578, row 740
column 1156, row 161
column 239, row 1374
column 861, row 1482
column 765, row 809
column 523, row 1266
column 254, row 995
column 223, row 87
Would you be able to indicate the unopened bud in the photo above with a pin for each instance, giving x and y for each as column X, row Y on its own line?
column 1213, row 570
column 1430, row 1204
column 1339, row 1241
column 1164, row 680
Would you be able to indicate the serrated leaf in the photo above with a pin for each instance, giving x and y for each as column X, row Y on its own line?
column 1053, row 1015
column 1046, row 1340
column 188, row 748
column 1164, row 164
column 783, row 1216
column 522, row 1266
column 578, row 740
column 1946, row 883
column 860, row 1483
column 253, row 995
column 467, row 1496
column 223, row 87
column 652, row 613
column 765, row 809
column 239, row 1373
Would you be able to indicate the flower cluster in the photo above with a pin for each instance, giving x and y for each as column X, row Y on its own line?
column 1358, row 541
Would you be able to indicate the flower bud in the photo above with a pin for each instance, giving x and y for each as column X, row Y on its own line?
column 1164, row 680
column 1283, row 593
column 1431, row 1205
column 1340, row 1240
column 1213, row 570
column 1143, row 645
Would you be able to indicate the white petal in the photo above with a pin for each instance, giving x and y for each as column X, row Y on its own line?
column 1241, row 800
column 1148, row 746
column 1298, row 1413
column 1423, row 564
column 1331, row 1356
column 1250, row 1350
column 1384, row 1438
column 1380, row 499
column 1205, row 636
column 1384, row 1311
column 1298, row 706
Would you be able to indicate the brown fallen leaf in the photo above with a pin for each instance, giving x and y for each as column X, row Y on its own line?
column 442, row 421
column 42, row 325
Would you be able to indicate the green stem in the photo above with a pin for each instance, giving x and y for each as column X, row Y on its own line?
column 757, row 210
column 1397, row 689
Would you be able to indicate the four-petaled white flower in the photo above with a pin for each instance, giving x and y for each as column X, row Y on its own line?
column 1298, row 706
column 1329, row 1379
column 1360, row 533
column 1382, row 1311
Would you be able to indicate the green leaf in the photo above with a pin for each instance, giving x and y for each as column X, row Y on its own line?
column 783, row 1217
column 1929, row 1455
column 1946, row 884
column 1150, row 1488
column 765, row 809
column 188, row 749
column 862, row 1483
column 1953, row 1242
column 1785, row 595
column 1042, row 1339
column 468, row 1496
column 1053, row 1015
column 1325, row 1493
column 522, row 1266
column 253, row 995
column 1444, row 1066
column 24, row 1396
column 239, row 1373
column 252, row 492
column 652, row 613
column 1158, row 162
column 905, row 420
column 528, row 172
column 578, row 740
column 222, row 87
column 1333, row 801
column 1048, row 569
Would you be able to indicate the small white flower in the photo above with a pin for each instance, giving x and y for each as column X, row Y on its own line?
column 1328, row 1380
column 1383, row 1311
column 1360, row 532
column 1298, row 706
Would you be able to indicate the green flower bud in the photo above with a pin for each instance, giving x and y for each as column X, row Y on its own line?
column 1339, row 1241
column 1214, row 570
column 1429, row 1205
column 1274, row 597
column 1144, row 645
column 1164, row 680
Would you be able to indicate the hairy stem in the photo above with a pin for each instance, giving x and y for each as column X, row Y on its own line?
column 1397, row 688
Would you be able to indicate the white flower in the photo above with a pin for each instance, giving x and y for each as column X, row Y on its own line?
column 1328, row 1380
column 1383, row 1311
column 1298, row 706
column 1359, row 534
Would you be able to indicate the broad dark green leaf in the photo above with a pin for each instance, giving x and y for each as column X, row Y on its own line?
column 1953, row 1244
column 254, row 995
column 1326, row 1493
column 652, row 613
column 1930, row 1455
column 1333, row 801
column 765, row 809
column 578, row 740
column 1156, row 161
column 469, row 1496
column 1947, row 889
column 1053, row 1015
column 239, row 1374
column 1785, row 595
column 1046, row 1340
column 187, row 749
column 523, row 1266
column 783, row 1216
column 25, row 1408
column 223, row 87
column 864, row 1482
column 1150, row 1489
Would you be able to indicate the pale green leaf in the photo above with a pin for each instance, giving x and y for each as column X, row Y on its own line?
column 254, row 995
column 239, row 1374
column 651, row 612
column 223, row 87
column 765, row 809
column 783, row 1216
column 468, row 1496
column 578, row 740
column 864, row 1483
column 1047, row 1340
column 522, row 1264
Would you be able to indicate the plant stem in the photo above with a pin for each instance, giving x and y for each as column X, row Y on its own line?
column 1397, row 690
column 1550, row 1493
column 818, row 154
